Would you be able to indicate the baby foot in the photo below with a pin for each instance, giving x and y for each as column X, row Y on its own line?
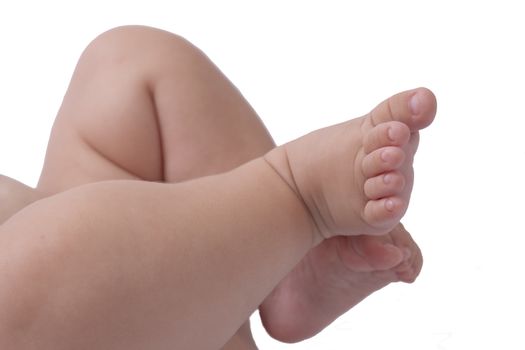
column 334, row 277
column 356, row 177
column 14, row 196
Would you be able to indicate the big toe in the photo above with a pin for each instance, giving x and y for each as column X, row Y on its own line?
column 378, row 251
column 415, row 108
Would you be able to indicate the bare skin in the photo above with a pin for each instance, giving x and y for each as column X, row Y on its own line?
column 14, row 196
column 398, row 264
column 344, row 270
column 360, row 266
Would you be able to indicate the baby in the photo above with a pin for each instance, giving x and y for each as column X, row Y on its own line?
column 165, row 215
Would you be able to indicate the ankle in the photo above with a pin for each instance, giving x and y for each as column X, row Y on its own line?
column 277, row 159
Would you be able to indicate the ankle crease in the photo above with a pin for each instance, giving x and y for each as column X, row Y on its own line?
column 289, row 180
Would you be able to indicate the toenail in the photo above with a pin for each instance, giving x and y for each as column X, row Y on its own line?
column 387, row 179
column 391, row 134
column 389, row 205
column 415, row 104
column 385, row 156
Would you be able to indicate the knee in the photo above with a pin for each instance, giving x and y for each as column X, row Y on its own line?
column 140, row 46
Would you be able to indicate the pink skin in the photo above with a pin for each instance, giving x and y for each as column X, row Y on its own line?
column 343, row 270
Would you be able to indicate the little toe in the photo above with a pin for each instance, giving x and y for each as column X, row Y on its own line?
column 384, row 213
column 382, row 160
column 386, row 134
column 415, row 108
column 385, row 185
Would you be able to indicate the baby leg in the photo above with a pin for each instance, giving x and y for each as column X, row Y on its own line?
column 146, row 104
column 161, row 148
column 135, row 249
column 152, row 125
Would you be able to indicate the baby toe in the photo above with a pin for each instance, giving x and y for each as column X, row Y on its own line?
column 386, row 134
column 378, row 251
column 384, row 213
column 407, row 275
column 385, row 185
column 382, row 160
column 415, row 108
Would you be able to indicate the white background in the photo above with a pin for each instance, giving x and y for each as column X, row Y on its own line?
column 306, row 64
